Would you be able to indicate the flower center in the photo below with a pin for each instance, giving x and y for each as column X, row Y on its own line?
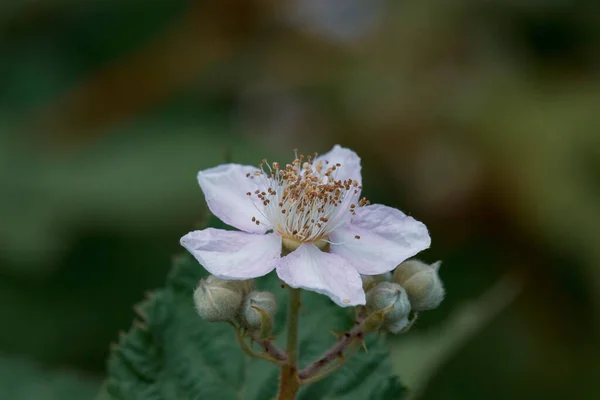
column 290, row 245
column 303, row 200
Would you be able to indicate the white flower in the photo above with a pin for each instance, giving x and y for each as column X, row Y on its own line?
column 304, row 207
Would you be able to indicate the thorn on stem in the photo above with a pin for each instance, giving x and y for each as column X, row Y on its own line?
column 338, row 334
column 364, row 345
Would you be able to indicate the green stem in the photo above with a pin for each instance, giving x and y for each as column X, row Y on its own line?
column 289, row 380
column 292, row 334
column 330, row 368
column 272, row 353
column 335, row 357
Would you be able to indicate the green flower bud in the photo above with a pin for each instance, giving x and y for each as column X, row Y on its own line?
column 402, row 326
column 422, row 283
column 219, row 300
column 258, row 312
column 243, row 287
column 371, row 280
column 392, row 298
column 398, row 326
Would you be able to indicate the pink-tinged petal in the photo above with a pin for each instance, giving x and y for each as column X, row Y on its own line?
column 309, row 268
column 386, row 238
column 349, row 163
column 233, row 254
column 225, row 188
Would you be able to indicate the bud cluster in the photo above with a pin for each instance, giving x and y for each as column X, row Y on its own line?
column 413, row 286
column 219, row 300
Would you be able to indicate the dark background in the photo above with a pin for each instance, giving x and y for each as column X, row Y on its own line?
column 479, row 118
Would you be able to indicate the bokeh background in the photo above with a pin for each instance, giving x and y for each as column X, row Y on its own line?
column 480, row 118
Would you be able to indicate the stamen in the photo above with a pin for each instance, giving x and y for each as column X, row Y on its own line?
column 303, row 201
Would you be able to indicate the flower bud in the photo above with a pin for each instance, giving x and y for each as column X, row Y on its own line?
column 258, row 312
column 242, row 286
column 422, row 284
column 219, row 300
column 398, row 326
column 371, row 280
column 392, row 298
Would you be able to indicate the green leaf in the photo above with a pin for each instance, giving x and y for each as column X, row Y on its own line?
column 172, row 354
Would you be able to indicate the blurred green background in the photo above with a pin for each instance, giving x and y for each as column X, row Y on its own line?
column 479, row 118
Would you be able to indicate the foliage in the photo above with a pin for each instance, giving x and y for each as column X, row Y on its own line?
column 173, row 354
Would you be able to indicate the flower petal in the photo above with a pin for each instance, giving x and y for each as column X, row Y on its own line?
column 386, row 238
column 225, row 188
column 309, row 268
column 233, row 254
column 349, row 161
